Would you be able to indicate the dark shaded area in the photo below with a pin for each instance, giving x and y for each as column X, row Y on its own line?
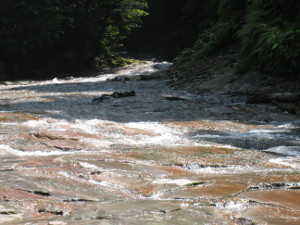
column 114, row 95
column 266, row 34
column 81, row 105
column 257, row 140
column 38, row 38
column 64, row 36
column 57, row 213
column 171, row 26
column 155, row 36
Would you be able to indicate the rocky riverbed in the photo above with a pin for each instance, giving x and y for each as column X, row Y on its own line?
column 160, row 156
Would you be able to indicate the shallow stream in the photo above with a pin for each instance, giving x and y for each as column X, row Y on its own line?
column 163, row 156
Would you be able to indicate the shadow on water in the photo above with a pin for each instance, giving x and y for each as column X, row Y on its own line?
column 73, row 100
column 262, row 140
column 150, row 103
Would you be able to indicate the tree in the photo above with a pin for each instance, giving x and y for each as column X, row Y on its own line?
column 267, row 34
column 64, row 35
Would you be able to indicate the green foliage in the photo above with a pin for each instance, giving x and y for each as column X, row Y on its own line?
column 122, row 20
column 197, row 18
column 27, row 26
column 270, row 38
column 219, row 35
column 165, row 31
column 231, row 10
column 267, row 33
column 67, row 34
column 210, row 41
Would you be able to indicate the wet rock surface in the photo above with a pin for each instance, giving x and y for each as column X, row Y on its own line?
column 161, row 156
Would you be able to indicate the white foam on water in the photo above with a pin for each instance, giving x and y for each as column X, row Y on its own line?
column 179, row 182
column 208, row 136
column 154, row 196
column 232, row 169
column 37, row 123
column 166, row 136
column 6, row 149
column 94, row 126
column 89, row 126
column 119, row 187
column 234, row 207
column 57, row 222
column 288, row 161
column 292, row 125
column 55, row 80
column 285, row 150
column 227, row 170
column 110, row 132
column 144, row 69
column 154, row 127
column 162, row 140
column 269, row 131
column 89, row 166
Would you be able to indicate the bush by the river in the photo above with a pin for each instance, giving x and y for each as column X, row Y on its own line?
column 266, row 33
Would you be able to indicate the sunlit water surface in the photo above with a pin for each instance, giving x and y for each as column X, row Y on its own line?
column 192, row 150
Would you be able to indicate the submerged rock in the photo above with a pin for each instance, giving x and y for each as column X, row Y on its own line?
column 114, row 95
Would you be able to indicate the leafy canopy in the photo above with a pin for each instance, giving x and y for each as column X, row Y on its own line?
column 64, row 34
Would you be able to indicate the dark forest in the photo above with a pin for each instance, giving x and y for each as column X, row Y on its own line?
column 40, row 38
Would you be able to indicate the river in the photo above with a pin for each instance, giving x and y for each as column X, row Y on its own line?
column 160, row 156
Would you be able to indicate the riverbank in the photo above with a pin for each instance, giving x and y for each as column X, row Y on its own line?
column 217, row 75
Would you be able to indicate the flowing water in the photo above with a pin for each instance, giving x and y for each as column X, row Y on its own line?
column 163, row 156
